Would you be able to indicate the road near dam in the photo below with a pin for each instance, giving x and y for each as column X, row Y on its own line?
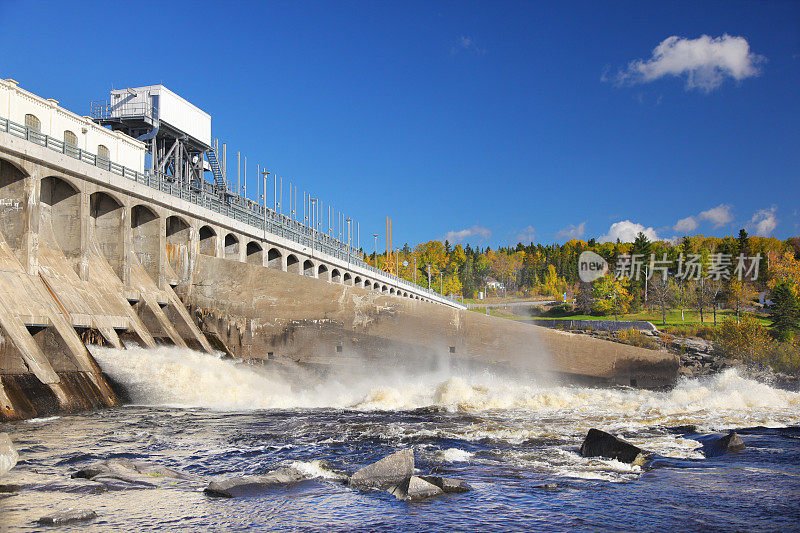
column 93, row 251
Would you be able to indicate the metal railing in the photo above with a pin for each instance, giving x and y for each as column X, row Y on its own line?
column 102, row 109
column 209, row 196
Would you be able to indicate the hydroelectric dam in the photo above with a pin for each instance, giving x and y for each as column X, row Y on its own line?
column 121, row 227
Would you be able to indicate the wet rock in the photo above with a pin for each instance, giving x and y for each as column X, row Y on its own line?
column 601, row 444
column 120, row 474
column 127, row 467
column 8, row 455
column 242, row 485
column 390, row 471
column 122, row 482
column 716, row 445
column 414, row 489
column 448, row 485
column 68, row 516
column 72, row 486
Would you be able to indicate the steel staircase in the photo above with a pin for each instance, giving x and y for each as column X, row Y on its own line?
column 219, row 178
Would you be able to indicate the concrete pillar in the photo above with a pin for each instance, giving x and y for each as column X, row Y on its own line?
column 127, row 244
column 85, row 228
column 220, row 242
column 30, row 236
column 162, row 253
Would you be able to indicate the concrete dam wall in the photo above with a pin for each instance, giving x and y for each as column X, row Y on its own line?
column 91, row 257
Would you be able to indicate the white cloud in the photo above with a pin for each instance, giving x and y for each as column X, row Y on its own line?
column 764, row 222
column 572, row 231
column 460, row 235
column 685, row 225
column 526, row 235
column 705, row 61
column 626, row 231
column 719, row 216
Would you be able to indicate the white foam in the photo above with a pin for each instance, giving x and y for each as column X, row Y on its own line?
column 456, row 455
column 316, row 469
column 180, row 377
column 42, row 419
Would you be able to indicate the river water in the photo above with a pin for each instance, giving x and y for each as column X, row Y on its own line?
column 514, row 440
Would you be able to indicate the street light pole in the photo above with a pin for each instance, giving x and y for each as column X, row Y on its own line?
column 415, row 270
column 349, row 222
column 441, row 284
column 265, row 203
column 313, row 204
column 376, row 249
column 429, row 277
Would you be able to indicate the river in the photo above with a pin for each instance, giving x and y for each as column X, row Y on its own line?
column 514, row 440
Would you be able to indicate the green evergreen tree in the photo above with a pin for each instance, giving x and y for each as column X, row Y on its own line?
column 784, row 311
column 743, row 243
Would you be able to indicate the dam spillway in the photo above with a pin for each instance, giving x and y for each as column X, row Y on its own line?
column 95, row 249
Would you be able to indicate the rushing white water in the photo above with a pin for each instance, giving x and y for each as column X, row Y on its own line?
column 179, row 377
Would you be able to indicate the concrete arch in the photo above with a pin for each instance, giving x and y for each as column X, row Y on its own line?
column 322, row 272
column 358, row 282
column 107, row 220
column 384, row 288
column 391, row 290
column 12, row 191
column 255, row 254
column 61, row 209
column 293, row 264
column 231, row 246
column 336, row 276
column 405, row 295
column 367, row 284
column 308, row 268
column 348, row 279
column 275, row 259
column 207, row 241
column 146, row 234
column 178, row 234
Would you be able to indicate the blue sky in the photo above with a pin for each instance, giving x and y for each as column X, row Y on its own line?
column 488, row 122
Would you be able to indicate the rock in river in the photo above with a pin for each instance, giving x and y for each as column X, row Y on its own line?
column 601, row 444
column 118, row 474
column 447, row 484
column 8, row 455
column 390, row 471
column 242, row 485
column 415, row 488
column 716, row 445
column 67, row 516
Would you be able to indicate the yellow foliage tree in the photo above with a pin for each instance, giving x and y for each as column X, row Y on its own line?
column 785, row 267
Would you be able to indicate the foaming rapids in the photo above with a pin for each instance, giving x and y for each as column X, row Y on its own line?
column 169, row 376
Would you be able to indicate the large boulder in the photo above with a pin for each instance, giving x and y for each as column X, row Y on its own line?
column 243, row 485
column 414, row 489
column 117, row 474
column 390, row 471
column 601, row 444
column 716, row 445
column 67, row 516
column 8, row 455
column 447, row 484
